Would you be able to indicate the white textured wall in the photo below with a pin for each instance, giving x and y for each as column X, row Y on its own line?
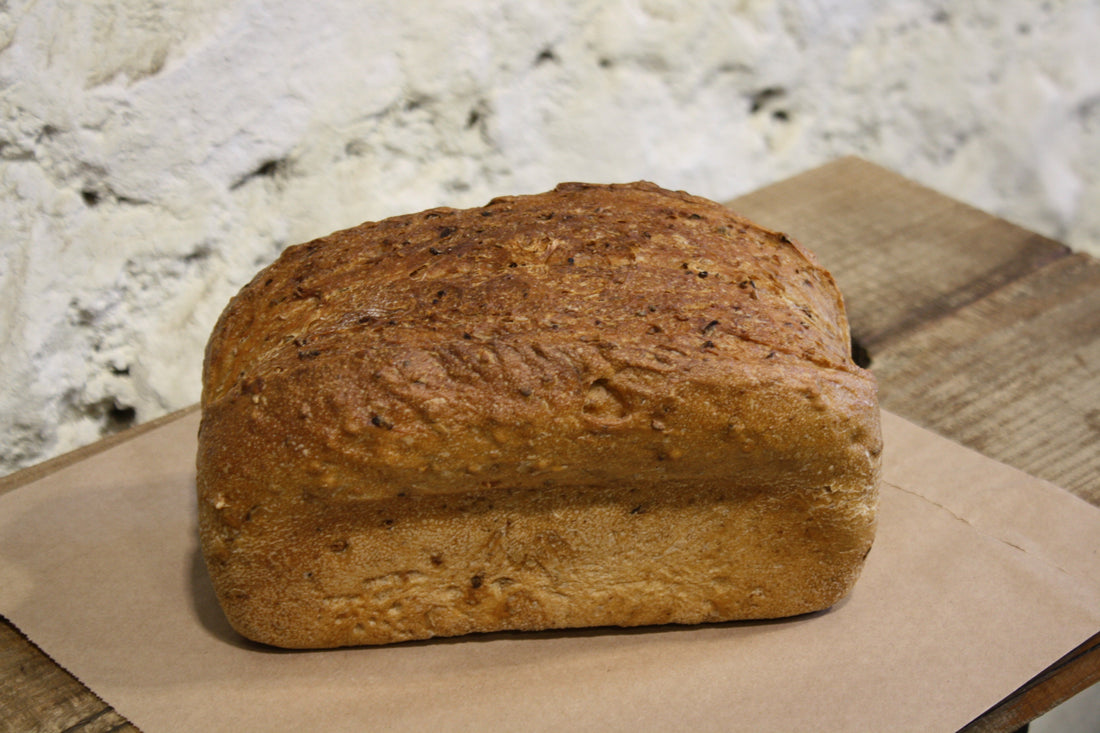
column 154, row 155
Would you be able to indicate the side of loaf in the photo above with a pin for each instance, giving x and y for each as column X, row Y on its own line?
column 602, row 405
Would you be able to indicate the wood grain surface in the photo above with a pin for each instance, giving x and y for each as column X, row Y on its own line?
column 976, row 328
column 38, row 695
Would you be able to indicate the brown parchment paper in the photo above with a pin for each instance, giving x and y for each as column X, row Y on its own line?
column 980, row 577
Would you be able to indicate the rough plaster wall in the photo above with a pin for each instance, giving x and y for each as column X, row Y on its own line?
column 154, row 155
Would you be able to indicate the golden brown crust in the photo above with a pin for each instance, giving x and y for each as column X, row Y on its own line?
column 593, row 341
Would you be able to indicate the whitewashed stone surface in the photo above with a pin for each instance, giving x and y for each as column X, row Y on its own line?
column 154, row 155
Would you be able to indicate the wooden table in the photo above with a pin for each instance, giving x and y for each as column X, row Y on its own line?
column 976, row 328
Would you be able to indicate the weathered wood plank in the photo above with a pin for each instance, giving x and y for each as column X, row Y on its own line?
column 1015, row 375
column 1065, row 678
column 902, row 253
column 38, row 695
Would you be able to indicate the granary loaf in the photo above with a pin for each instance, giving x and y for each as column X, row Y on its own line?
column 602, row 405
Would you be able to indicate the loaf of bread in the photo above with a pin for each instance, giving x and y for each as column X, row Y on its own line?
column 605, row 405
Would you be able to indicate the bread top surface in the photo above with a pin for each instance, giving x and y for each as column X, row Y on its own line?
column 572, row 338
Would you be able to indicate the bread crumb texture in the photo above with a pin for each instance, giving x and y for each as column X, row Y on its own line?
column 602, row 405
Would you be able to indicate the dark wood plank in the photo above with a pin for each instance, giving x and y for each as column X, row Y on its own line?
column 902, row 253
column 1015, row 375
column 1071, row 674
column 38, row 695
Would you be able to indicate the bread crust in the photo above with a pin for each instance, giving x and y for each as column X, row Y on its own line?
column 601, row 405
